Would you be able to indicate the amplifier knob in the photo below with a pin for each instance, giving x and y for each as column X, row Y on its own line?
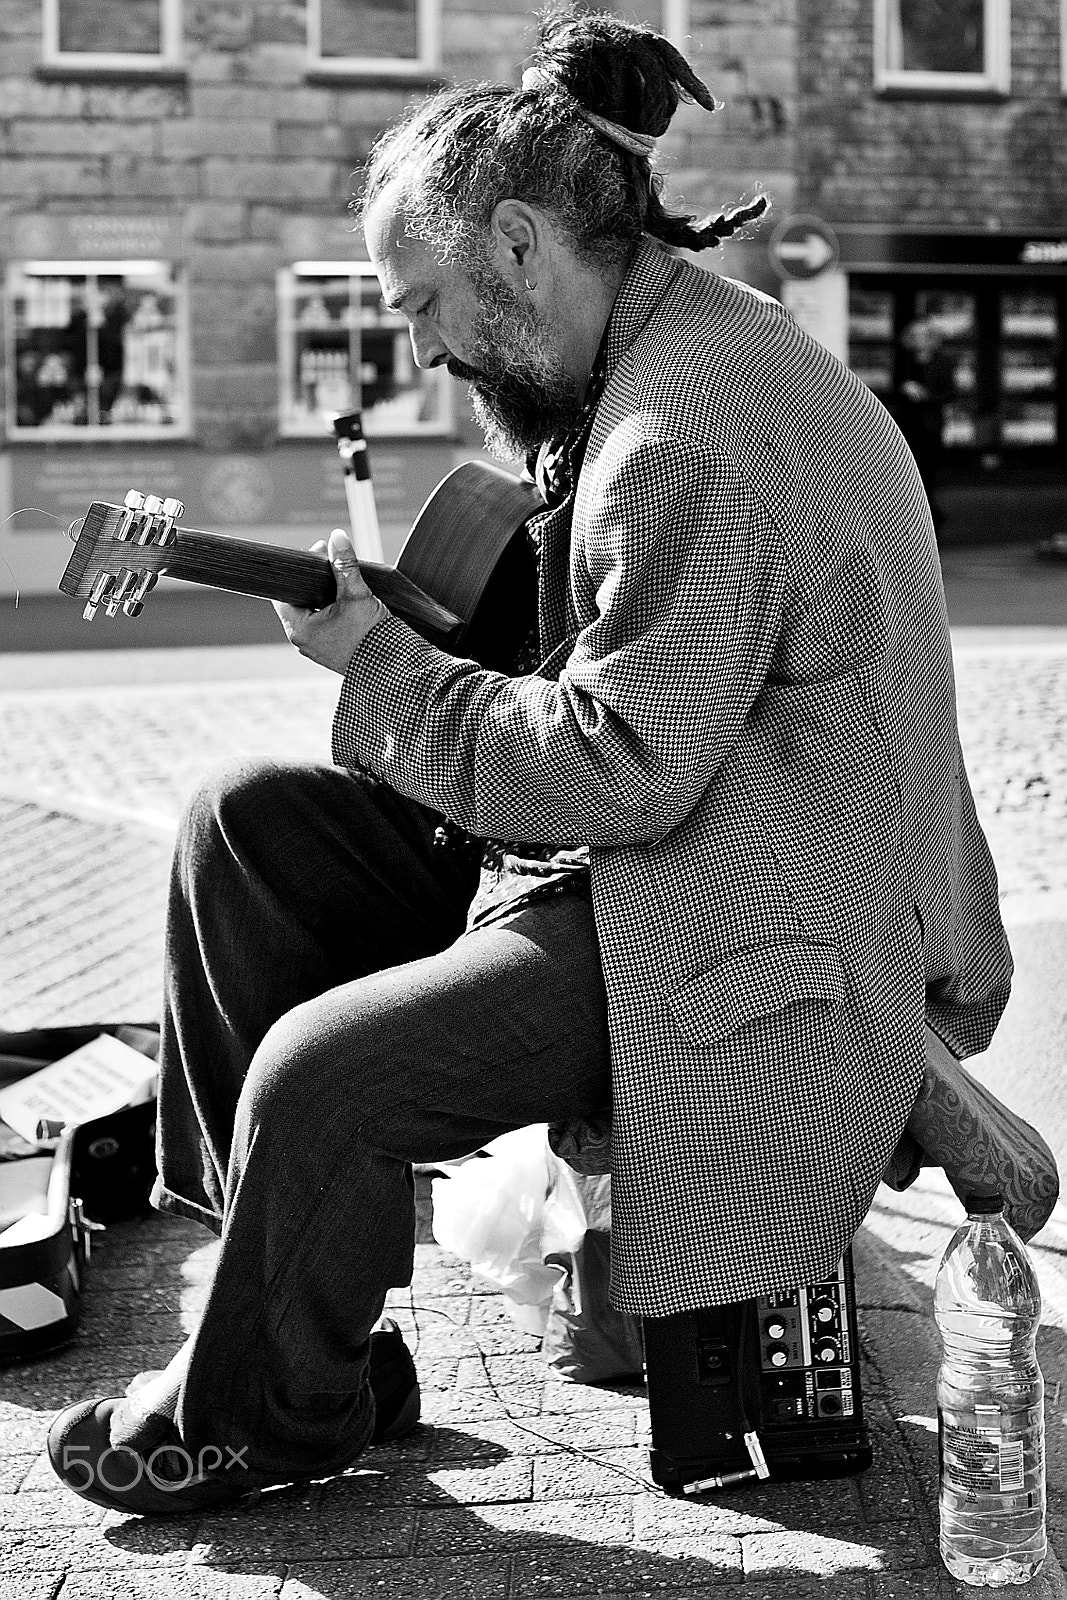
column 824, row 1311
column 777, row 1355
column 774, row 1328
column 826, row 1350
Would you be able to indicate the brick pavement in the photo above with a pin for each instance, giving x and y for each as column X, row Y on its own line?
column 517, row 1485
column 1013, row 727
column 91, row 792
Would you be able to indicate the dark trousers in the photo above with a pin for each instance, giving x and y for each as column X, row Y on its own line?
column 327, row 1021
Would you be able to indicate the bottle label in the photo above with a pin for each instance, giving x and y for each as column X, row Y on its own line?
column 977, row 1457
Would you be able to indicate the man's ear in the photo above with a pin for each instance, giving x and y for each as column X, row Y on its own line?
column 518, row 242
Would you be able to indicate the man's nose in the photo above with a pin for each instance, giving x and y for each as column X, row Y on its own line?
column 427, row 346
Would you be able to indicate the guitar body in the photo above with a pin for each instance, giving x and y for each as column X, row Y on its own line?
column 468, row 549
column 465, row 578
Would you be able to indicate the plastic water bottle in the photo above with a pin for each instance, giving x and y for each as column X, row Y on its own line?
column 990, row 1393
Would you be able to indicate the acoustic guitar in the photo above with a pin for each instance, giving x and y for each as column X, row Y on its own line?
column 465, row 578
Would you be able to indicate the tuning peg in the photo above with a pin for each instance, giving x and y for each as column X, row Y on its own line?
column 144, row 509
column 170, row 512
column 135, row 604
column 101, row 586
column 120, row 591
column 133, row 503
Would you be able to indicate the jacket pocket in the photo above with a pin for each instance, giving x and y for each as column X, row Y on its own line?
column 757, row 983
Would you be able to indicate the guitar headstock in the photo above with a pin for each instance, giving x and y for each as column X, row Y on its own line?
column 119, row 551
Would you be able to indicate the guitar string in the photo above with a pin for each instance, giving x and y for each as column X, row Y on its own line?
column 21, row 512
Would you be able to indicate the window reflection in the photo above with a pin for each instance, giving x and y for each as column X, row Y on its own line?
column 998, row 350
column 942, row 35
column 96, row 346
column 341, row 350
column 385, row 28
column 126, row 27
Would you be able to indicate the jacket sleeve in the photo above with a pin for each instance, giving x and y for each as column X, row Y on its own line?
column 684, row 576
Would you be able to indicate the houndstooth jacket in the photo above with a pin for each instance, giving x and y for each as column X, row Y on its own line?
column 750, row 717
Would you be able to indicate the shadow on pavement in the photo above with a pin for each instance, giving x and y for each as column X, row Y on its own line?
column 477, row 1506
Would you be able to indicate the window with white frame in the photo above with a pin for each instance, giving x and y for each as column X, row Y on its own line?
column 374, row 36
column 113, row 34
column 341, row 350
column 96, row 349
column 943, row 46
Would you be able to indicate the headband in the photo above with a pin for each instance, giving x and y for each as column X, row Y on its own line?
column 638, row 144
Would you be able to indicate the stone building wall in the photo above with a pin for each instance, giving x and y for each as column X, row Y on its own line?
column 242, row 142
column 930, row 161
column 746, row 51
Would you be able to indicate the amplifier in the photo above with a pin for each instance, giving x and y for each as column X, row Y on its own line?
column 781, row 1370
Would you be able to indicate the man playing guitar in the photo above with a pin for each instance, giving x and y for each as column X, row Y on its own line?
column 706, row 855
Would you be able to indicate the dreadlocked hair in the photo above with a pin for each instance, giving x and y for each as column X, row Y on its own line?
column 459, row 153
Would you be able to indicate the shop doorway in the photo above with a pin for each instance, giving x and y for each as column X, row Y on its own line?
column 995, row 359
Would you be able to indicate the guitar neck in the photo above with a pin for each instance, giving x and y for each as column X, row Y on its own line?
column 270, row 572
column 464, row 567
column 298, row 577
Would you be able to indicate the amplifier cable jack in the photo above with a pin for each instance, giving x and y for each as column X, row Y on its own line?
column 721, row 1480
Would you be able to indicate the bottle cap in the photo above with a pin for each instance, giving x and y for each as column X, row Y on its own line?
column 983, row 1205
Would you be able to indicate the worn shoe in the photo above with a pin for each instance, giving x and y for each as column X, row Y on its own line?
column 167, row 1481
column 394, row 1384
column 984, row 1146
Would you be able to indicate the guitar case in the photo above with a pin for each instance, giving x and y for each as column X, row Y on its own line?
column 52, row 1198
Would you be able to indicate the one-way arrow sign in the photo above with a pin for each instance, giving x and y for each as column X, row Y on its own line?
column 802, row 247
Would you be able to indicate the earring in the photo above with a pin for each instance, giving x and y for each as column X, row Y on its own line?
column 530, row 287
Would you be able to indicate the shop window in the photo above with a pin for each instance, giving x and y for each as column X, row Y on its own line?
column 943, row 46
column 871, row 338
column 341, row 350
column 1029, row 341
column 952, row 317
column 373, row 36
column 991, row 354
column 95, row 349
column 112, row 34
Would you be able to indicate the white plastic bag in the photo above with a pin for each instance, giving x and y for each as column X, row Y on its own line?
column 541, row 1234
column 585, row 1339
column 490, row 1211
